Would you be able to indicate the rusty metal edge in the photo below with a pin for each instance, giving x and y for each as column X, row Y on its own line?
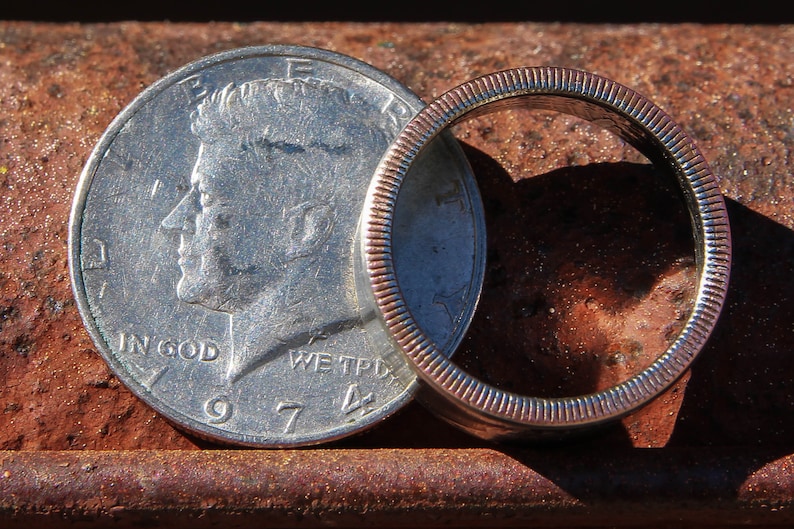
column 396, row 488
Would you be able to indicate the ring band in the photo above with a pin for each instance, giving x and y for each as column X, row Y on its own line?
column 487, row 411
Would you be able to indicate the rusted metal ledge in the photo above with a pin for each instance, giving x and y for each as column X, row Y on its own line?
column 396, row 488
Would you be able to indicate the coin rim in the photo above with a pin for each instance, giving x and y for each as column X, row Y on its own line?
column 486, row 410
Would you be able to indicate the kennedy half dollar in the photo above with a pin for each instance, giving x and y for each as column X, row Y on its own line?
column 211, row 245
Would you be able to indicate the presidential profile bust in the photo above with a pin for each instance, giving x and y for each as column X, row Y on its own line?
column 266, row 229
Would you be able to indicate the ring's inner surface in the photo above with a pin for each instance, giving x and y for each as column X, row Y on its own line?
column 591, row 270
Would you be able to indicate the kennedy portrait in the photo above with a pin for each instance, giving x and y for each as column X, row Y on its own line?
column 266, row 229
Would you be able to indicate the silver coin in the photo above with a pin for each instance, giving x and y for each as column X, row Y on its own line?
column 211, row 245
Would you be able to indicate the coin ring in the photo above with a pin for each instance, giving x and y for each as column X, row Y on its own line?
column 482, row 409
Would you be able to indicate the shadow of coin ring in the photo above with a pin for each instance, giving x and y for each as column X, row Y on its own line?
column 482, row 409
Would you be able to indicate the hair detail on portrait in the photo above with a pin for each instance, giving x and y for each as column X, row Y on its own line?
column 267, row 226
column 290, row 115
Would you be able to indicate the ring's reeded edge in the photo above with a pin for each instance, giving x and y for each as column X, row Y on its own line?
column 482, row 409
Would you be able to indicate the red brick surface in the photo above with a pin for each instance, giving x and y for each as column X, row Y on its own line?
column 590, row 269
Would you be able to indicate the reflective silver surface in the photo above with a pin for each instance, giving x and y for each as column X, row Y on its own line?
column 211, row 245
column 479, row 408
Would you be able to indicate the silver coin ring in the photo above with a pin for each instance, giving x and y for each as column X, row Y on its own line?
column 460, row 398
